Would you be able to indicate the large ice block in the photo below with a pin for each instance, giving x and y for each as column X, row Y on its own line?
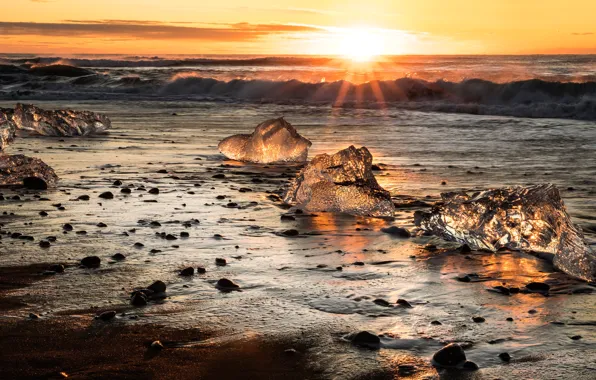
column 60, row 122
column 273, row 140
column 20, row 170
column 532, row 219
column 7, row 127
column 343, row 182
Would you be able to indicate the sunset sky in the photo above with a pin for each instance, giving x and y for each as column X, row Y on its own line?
column 321, row 27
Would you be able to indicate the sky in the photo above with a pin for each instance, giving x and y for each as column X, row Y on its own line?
column 295, row 27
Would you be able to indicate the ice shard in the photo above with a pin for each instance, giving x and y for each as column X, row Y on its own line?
column 20, row 170
column 273, row 140
column 60, row 122
column 532, row 219
column 7, row 127
column 343, row 182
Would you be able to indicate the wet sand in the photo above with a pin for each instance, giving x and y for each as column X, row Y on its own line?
column 293, row 294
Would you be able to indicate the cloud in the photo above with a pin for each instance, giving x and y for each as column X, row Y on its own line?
column 583, row 34
column 150, row 30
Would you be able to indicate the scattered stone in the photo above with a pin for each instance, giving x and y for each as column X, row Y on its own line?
column 67, row 227
column 171, row 237
column 118, row 257
column 43, row 213
column 403, row 303
column 451, row 355
column 478, row 319
column 397, row 231
column 156, row 346
column 184, row 234
column 58, row 268
column 33, row 316
column 538, row 287
column 107, row 315
column 117, row 182
column 436, row 323
column 153, row 190
column 382, row 302
column 504, row 356
column 470, row 366
column 366, row 339
column 138, row 299
column 187, row 271
column 101, row 225
column 106, row 195
column 201, row 270
column 225, row 284
column 290, row 233
column 91, row 262
column 576, row 337
column 220, row 262
column 157, row 287
column 44, row 244
column 84, row 197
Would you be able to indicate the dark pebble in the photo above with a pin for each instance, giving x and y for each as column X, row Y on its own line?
column 478, row 319
column 225, row 284
column 67, row 227
column 450, row 356
column 290, row 233
column 34, row 183
column 381, row 302
column 106, row 195
column 201, row 270
column 58, row 268
column 91, row 262
column 107, row 315
column 403, row 302
column 220, row 262
column 470, row 366
column 366, row 339
column 44, row 244
column 397, row 231
column 118, row 256
column 504, row 356
column 187, row 271
column 138, row 299
column 83, row 197
column 157, row 287
column 538, row 287
column 153, row 190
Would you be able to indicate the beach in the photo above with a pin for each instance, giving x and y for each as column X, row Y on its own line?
column 306, row 292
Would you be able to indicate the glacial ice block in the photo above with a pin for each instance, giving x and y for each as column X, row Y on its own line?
column 7, row 127
column 273, row 140
column 530, row 218
column 60, row 122
column 19, row 170
column 343, row 182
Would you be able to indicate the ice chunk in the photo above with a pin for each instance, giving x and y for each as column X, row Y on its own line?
column 19, row 170
column 60, row 122
column 7, row 127
column 343, row 182
column 530, row 218
column 273, row 140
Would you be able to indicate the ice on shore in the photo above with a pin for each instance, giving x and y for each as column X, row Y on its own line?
column 343, row 182
column 60, row 122
column 273, row 140
column 20, row 170
column 7, row 127
column 532, row 219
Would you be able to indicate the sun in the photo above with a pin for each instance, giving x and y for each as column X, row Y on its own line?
column 361, row 44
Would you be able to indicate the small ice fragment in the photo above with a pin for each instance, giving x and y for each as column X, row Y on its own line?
column 17, row 169
column 532, row 219
column 343, row 182
column 7, row 127
column 273, row 140
column 60, row 122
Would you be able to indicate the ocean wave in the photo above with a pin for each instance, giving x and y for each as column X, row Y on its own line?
column 529, row 98
column 60, row 70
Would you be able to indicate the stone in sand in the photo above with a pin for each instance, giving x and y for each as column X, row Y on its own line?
column 532, row 219
column 273, row 140
column 187, row 271
column 226, row 284
column 138, row 299
column 343, row 182
column 7, row 128
column 157, row 287
column 60, row 122
column 366, row 339
column 91, row 262
column 107, row 315
column 451, row 355
column 19, row 170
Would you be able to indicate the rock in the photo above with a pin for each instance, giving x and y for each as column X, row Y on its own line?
column 60, row 122
column 33, row 316
column 170, row 237
column 403, row 302
column 220, row 262
column 32, row 173
column 138, row 299
column 290, row 233
column 397, row 231
column 118, row 257
column 538, row 287
column 107, row 315
column 58, row 268
column 83, row 197
column 451, row 355
column 382, row 302
column 225, row 284
column 101, row 225
column 343, row 182
column 184, row 234
column 576, row 337
column 273, row 140
column 67, row 227
column 117, row 183
column 470, row 366
column 154, row 190
column 156, row 346
column 532, row 219
column 436, row 323
column 504, row 356
column 478, row 319
column 187, row 271
column 366, row 339
column 7, row 128
column 91, row 262
column 463, row 278
column 125, row 190
column 44, row 244
column 106, row 195
column 201, row 270
column 157, row 287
